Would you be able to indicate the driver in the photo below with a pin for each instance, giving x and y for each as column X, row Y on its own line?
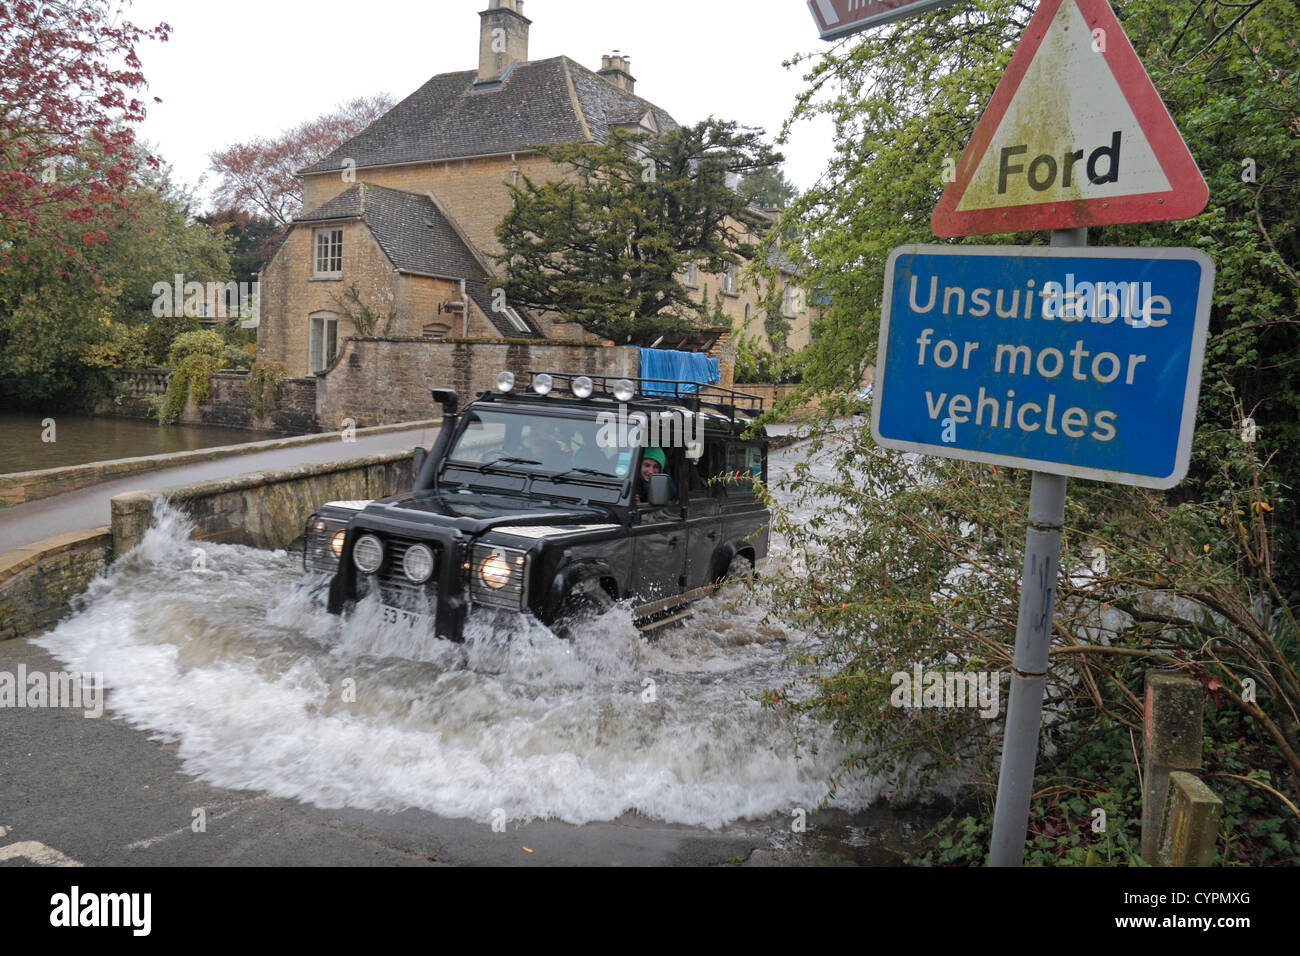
column 545, row 446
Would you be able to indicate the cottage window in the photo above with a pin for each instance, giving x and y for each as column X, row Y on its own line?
column 329, row 251
column 794, row 302
column 514, row 318
column 691, row 274
column 729, row 278
column 324, row 344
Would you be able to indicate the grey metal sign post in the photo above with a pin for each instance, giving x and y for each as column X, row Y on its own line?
column 1033, row 638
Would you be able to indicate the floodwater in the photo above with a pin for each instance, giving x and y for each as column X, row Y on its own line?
column 79, row 439
column 221, row 650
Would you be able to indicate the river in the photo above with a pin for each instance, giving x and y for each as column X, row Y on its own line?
column 79, row 439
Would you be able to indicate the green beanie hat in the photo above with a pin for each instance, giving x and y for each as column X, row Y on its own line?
column 656, row 454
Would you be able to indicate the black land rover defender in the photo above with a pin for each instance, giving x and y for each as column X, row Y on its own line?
column 545, row 501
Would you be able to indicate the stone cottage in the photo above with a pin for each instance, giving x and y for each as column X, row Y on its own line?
column 398, row 224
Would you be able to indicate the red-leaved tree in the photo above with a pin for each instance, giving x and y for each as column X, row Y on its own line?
column 260, row 177
column 68, row 69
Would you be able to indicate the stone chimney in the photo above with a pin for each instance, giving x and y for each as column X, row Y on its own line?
column 618, row 70
column 503, row 39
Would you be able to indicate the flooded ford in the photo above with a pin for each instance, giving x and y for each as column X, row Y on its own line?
column 221, row 650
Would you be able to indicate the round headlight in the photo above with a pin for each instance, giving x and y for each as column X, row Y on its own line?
column 336, row 542
column 543, row 383
column 624, row 390
column 368, row 554
column 417, row 565
column 505, row 381
column 582, row 387
column 495, row 571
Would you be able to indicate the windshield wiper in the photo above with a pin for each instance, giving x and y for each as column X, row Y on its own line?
column 484, row 466
column 579, row 471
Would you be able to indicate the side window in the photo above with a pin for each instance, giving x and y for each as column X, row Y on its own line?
column 742, row 466
column 700, row 473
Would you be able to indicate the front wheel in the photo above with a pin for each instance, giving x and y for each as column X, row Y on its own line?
column 739, row 571
column 582, row 605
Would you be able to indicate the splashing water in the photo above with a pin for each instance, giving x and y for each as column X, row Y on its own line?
column 229, row 657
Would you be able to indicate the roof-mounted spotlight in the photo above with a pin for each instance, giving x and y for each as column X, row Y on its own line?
column 542, row 384
column 505, row 381
column 624, row 390
column 582, row 387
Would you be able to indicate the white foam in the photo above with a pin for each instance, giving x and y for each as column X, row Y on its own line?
column 261, row 689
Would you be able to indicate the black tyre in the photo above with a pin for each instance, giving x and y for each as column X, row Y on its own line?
column 739, row 571
column 582, row 605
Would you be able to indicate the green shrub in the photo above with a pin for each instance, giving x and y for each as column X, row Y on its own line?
column 194, row 356
column 235, row 357
column 265, row 383
column 1256, row 828
column 901, row 564
column 755, row 365
column 203, row 342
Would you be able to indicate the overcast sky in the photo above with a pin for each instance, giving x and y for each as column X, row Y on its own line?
column 242, row 68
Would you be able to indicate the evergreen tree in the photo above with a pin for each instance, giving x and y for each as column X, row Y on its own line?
column 606, row 247
column 768, row 188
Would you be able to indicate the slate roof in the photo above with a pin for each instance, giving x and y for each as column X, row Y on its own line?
column 417, row 237
column 447, row 119
column 779, row 260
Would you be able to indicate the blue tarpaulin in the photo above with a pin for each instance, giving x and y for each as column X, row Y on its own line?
column 677, row 366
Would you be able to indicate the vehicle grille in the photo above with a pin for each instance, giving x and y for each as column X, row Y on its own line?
column 396, row 588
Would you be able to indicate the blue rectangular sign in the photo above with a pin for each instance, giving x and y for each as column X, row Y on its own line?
column 1074, row 361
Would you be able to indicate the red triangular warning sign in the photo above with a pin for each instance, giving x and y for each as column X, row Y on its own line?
column 1075, row 135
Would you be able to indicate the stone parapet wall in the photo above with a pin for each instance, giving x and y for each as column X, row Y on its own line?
column 229, row 407
column 263, row 509
column 23, row 486
column 232, row 407
column 386, row 380
column 39, row 581
column 137, row 387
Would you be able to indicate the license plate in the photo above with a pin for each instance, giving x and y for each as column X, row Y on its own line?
column 396, row 615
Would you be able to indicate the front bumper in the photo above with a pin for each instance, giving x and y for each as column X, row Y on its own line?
column 457, row 582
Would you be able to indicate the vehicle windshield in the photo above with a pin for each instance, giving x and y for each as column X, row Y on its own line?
column 514, row 441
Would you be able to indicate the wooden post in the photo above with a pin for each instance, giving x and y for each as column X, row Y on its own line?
column 1172, row 741
column 1190, row 828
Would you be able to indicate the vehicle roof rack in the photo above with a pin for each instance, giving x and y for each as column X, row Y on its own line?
column 696, row 396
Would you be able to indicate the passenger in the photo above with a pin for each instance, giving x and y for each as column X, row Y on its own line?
column 652, row 463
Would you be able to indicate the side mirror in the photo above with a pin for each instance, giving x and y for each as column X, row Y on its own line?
column 659, row 489
column 417, row 462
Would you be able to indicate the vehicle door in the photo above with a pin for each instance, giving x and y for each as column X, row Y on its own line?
column 703, row 513
column 742, row 514
column 660, row 541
